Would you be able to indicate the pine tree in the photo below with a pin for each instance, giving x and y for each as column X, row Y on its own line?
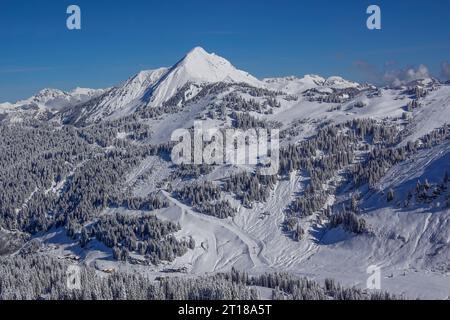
column 84, row 237
column 298, row 233
column 354, row 203
column 390, row 195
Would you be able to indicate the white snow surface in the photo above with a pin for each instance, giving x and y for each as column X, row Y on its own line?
column 198, row 66
column 412, row 246
column 55, row 99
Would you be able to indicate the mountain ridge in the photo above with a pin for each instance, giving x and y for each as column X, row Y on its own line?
column 153, row 87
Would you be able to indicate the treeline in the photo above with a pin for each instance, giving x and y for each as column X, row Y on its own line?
column 324, row 157
column 106, row 133
column 40, row 277
column 335, row 96
column 349, row 221
column 66, row 176
column 245, row 121
column 382, row 157
column 206, row 198
column 425, row 192
column 289, row 287
column 250, row 187
column 144, row 234
column 33, row 159
column 235, row 102
column 292, row 227
column 37, row 277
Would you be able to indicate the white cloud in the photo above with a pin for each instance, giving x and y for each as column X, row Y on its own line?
column 392, row 75
column 399, row 77
column 445, row 70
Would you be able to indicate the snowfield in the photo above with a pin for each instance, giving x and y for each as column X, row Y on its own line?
column 411, row 243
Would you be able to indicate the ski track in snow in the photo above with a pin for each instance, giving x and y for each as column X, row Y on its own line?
column 212, row 260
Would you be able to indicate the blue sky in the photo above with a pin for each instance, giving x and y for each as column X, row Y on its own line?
column 265, row 38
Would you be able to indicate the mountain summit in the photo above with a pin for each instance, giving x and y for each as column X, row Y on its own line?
column 154, row 87
column 198, row 66
column 201, row 66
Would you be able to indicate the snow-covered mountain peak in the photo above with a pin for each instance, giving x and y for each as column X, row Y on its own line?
column 340, row 83
column 197, row 53
column 199, row 66
column 84, row 91
column 295, row 85
column 54, row 99
column 48, row 94
column 154, row 87
column 313, row 78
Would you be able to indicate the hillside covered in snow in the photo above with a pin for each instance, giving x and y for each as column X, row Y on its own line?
column 363, row 180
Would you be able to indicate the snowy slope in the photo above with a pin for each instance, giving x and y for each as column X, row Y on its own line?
column 433, row 113
column 54, row 99
column 340, row 83
column 411, row 244
column 125, row 98
column 198, row 66
column 294, row 85
column 152, row 88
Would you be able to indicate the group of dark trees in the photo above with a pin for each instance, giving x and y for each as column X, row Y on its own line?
column 427, row 192
column 320, row 158
column 245, row 121
column 236, row 102
column 197, row 193
column 206, row 197
column 383, row 156
column 292, row 226
column 413, row 104
column 417, row 91
column 143, row 234
column 40, row 277
column 335, row 96
column 289, row 287
column 349, row 221
column 191, row 171
column 66, row 176
column 250, row 187
column 332, row 152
